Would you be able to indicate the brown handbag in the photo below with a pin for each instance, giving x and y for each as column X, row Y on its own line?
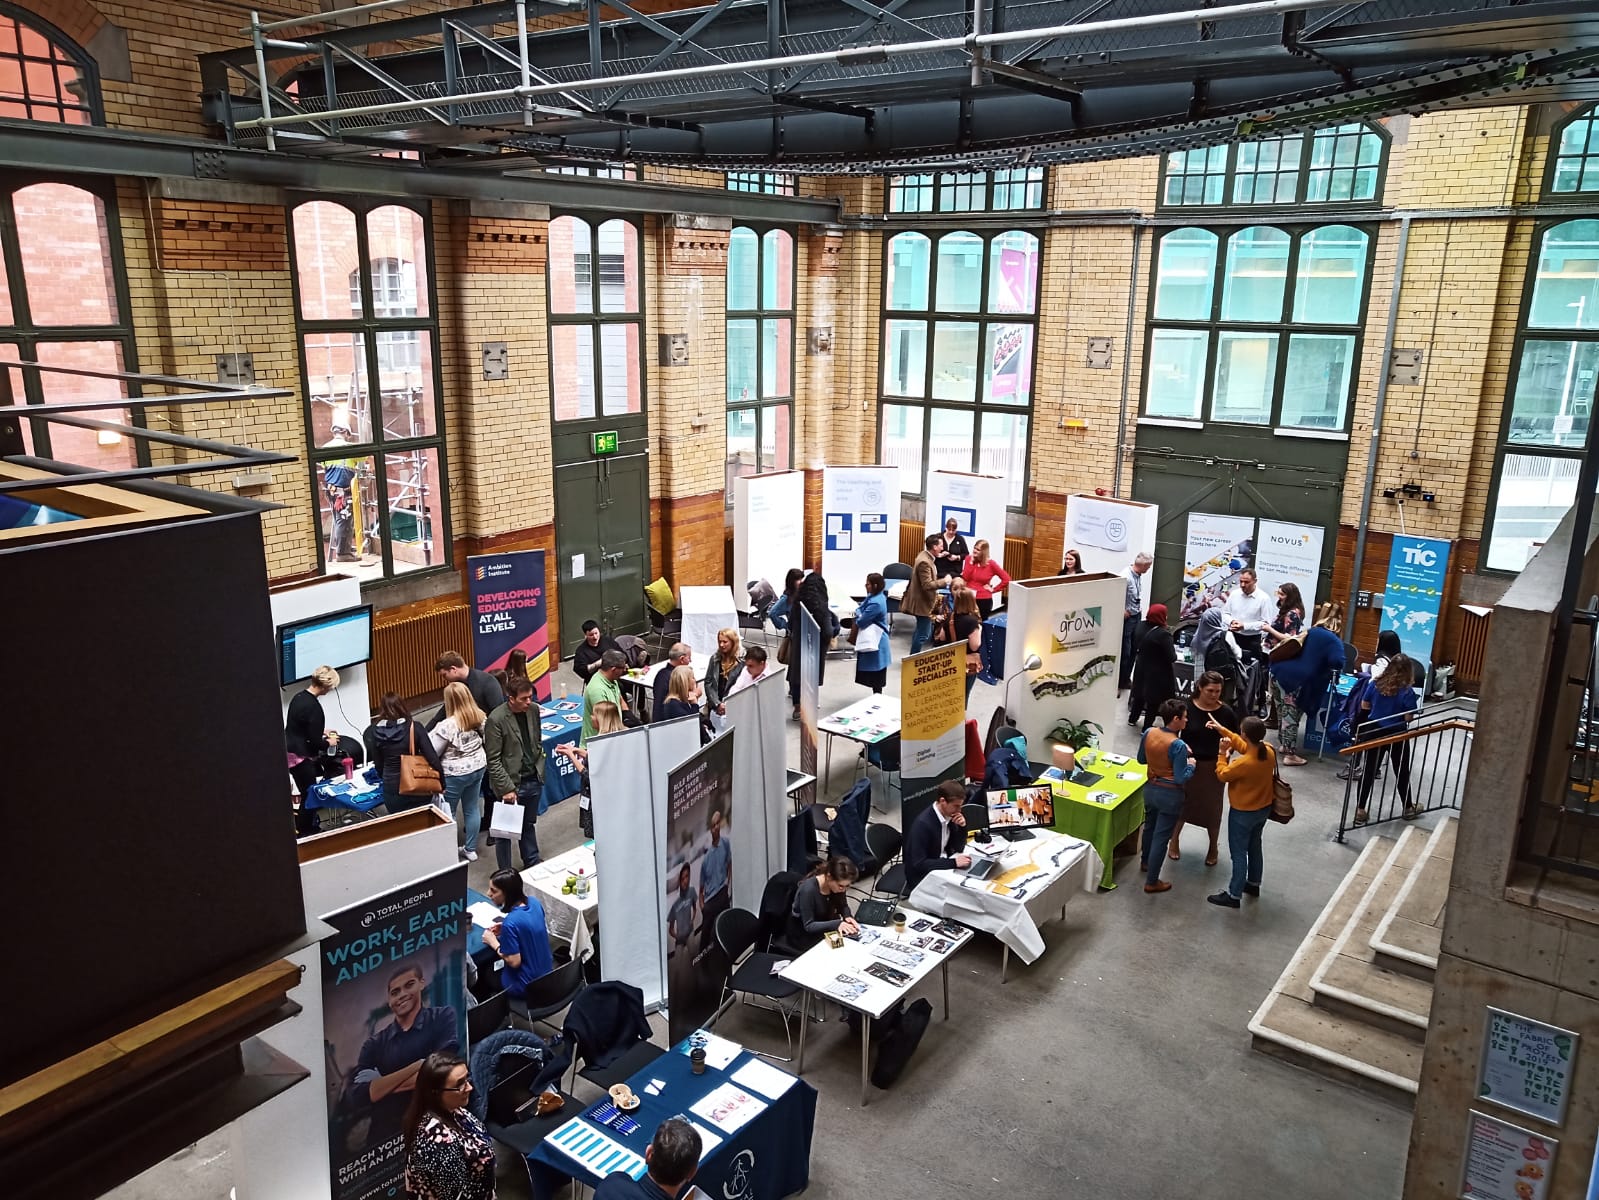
column 417, row 776
column 783, row 649
column 1282, row 797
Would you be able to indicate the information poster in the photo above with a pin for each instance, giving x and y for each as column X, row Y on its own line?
column 1288, row 553
column 932, row 700
column 860, row 523
column 768, row 530
column 976, row 503
column 1218, row 549
column 810, row 695
column 1527, row 1065
column 1074, row 624
column 699, row 881
column 1108, row 533
column 1505, row 1161
column 506, row 595
column 393, row 992
column 1418, row 567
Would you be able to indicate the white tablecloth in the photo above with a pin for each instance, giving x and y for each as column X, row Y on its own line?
column 1058, row 866
column 706, row 611
column 840, row 973
column 568, row 918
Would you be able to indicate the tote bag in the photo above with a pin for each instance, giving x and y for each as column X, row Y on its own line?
column 417, row 776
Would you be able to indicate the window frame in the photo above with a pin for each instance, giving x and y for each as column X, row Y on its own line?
column 93, row 102
column 368, row 327
column 1284, row 329
column 1299, row 202
column 766, row 183
column 594, row 319
column 938, row 184
column 763, row 408
column 983, row 318
column 1547, row 193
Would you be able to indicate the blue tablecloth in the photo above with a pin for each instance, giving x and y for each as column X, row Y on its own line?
column 561, row 721
column 361, row 794
column 994, row 630
column 769, row 1157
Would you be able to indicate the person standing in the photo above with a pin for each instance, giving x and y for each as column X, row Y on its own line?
column 671, row 1159
column 985, row 577
column 603, row 686
column 1154, row 669
column 1388, row 706
column 1248, row 611
column 389, row 737
column 716, row 879
column 1071, row 563
column 726, row 667
column 1166, row 754
column 1132, row 614
column 755, row 660
column 514, row 749
column 1248, row 772
column 952, row 558
column 520, row 939
column 306, row 736
column 871, row 665
column 922, row 591
column 1301, row 683
column 448, row 1154
column 1290, row 619
column 586, row 658
column 1202, row 797
column 338, row 484
column 968, row 628
column 607, row 719
column 458, row 740
column 812, row 597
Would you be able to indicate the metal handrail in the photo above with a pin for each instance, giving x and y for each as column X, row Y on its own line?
column 1422, row 767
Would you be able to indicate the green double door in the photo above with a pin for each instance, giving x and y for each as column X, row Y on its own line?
column 602, row 533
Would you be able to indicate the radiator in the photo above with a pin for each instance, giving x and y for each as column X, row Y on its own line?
column 1018, row 551
column 403, row 651
column 1473, row 646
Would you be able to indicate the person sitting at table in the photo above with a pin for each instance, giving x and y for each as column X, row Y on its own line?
column 820, row 903
column 937, row 840
column 586, row 658
column 984, row 576
column 682, row 695
column 726, row 666
column 680, row 655
column 969, row 629
column 672, row 1158
column 520, row 939
column 607, row 719
column 952, row 558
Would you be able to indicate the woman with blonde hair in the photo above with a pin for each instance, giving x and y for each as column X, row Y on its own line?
column 682, row 697
column 726, row 665
column 459, row 742
column 985, row 577
column 607, row 719
column 306, row 737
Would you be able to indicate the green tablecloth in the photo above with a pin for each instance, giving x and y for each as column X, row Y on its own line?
column 1103, row 825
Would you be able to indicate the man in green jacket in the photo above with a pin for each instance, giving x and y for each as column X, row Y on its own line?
column 515, row 750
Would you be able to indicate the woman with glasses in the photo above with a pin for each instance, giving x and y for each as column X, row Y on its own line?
column 448, row 1155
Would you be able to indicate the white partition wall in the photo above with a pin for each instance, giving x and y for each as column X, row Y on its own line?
column 768, row 530
column 1109, row 533
column 1074, row 624
column 860, row 523
column 977, row 502
column 760, row 778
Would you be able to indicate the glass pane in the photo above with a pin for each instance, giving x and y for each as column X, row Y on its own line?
column 741, row 351
column 347, row 514
column 909, row 256
column 1008, row 364
column 1535, row 492
column 405, row 381
column 1186, row 276
column 954, row 360
column 901, row 445
column 1316, row 380
column 571, row 266
column 572, row 370
column 1554, row 393
column 621, row 391
column 777, row 347
column 336, row 382
column 775, row 437
column 398, row 235
column 905, row 359
column 1565, row 294
column 740, row 446
column 1246, row 368
column 416, row 510
column 949, row 439
column 960, row 273
column 86, row 447
column 5, row 299
column 1257, row 275
column 1003, row 451
column 1013, row 273
column 743, row 255
column 619, row 268
column 1176, row 373
column 777, row 270
column 325, row 256
column 1331, row 276
column 66, row 256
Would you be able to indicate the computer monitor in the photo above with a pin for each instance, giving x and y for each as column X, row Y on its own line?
column 1015, row 809
column 337, row 639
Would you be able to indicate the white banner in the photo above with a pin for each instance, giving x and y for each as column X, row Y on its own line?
column 760, row 781
column 1219, row 547
column 860, row 524
column 977, row 505
column 1108, row 533
column 768, row 530
column 1074, row 624
column 1288, row 553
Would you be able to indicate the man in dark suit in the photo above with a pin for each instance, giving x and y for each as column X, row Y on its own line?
column 937, row 839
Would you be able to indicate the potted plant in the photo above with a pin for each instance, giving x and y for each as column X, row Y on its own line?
column 1076, row 734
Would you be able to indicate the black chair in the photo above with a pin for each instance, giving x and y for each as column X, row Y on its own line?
column 1351, row 657
column 664, row 628
column 976, row 816
column 891, row 573
column 550, row 993
column 755, row 622
column 750, row 970
column 607, row 1065
column 488, row 1016
column 884, row 842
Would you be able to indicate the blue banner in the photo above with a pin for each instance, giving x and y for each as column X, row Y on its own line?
column 506, row 594
column 1413, row 597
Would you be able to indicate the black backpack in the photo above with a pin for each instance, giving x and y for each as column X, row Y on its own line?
column 899, row 1039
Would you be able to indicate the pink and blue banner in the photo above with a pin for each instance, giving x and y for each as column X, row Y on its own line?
column 506, row 595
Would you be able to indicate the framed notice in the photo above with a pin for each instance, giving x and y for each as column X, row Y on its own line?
column 1526, row 1065
column 1505, row 1161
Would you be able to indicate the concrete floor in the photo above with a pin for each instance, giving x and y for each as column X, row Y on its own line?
column 1117, row 1066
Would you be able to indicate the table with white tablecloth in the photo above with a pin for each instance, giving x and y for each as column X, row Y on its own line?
column 568, row 917
column 706, row 612
column 1035, row 876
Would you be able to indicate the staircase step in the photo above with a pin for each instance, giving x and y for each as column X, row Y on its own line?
column 1408, row 938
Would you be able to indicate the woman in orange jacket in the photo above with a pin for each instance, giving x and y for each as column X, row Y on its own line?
column 1248, row 767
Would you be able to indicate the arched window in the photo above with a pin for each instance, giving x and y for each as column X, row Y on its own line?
column 1574, row 155
column 596, row 319
column 43, row 75
column 1339, row 165
column 760, row 352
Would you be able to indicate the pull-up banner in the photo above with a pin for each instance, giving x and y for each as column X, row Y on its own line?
column 932, row 702
column 699, row 881
column 508, row 613
column 1414, row 594
column 1287, row 553
column 1219, row 548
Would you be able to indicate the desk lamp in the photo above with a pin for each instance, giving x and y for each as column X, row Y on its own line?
column 1029, row 664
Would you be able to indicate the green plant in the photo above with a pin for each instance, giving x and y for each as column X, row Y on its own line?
column 1076, row 734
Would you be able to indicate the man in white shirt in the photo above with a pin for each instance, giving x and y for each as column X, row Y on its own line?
column 1132, row 614
column 1248, row 610
column 755, row 659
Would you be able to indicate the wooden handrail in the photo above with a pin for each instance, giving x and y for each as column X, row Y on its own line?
column 1408, row 735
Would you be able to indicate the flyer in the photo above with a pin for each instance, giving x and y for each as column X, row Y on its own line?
column 1506, row 1162
column 1526, row 1065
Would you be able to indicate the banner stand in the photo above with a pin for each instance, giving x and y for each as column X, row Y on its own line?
column 760, row 784
column 506, row 597
column 932, row 700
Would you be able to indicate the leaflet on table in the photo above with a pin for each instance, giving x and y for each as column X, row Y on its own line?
column 580, row 1141
column 484, row 914
column 763, row 1079
column 899, row 954
column 708, row 1141
column 719, row 1052
column 729, row 1108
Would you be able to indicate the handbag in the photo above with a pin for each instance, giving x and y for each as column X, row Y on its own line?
column 1282, row 797
column 783, row 650
column 417, row 776
column 1287, row 649
column 507, row 820
column 854, row 632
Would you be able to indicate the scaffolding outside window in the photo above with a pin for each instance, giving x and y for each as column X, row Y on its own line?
column 43, row 75
column 1339, row 165
column 1574, row 155
column 760, row 353
column 1007, row 190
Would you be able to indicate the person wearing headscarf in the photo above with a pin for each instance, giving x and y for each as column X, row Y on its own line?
column 1154, row 668
column 1212, row 623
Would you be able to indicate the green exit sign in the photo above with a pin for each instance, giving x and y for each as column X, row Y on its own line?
column 605, row 443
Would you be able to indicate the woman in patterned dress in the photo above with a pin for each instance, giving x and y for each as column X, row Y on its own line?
column 448, row 1154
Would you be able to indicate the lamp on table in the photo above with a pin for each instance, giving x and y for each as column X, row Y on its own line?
column 1030, row 664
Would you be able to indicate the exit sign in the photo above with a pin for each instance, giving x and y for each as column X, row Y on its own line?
column 605, row 443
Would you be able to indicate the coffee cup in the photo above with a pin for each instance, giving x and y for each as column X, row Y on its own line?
column 899, row 922
column 696, row 1060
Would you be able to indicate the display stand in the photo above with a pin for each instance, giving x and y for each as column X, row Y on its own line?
column 300, row 602
column 975, row 502
column 1109, row 533
column 760, row 784
column 860, row 523
column 768, row 530
column 1073, row 623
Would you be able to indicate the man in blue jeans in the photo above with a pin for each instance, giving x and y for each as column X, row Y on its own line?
column 1170, row 767
column 921, row 593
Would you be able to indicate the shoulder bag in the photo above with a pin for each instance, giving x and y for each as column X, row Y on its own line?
column 1282, row 796
column 783, row 649
column 417, row 776
column 1287, row 649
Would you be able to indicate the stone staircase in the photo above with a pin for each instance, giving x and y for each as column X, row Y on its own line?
column 1354, row 1001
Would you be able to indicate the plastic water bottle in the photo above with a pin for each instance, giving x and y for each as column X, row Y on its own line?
column 582, row 884
column 563, row 689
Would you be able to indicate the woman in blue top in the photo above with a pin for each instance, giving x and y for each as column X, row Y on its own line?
column 1302, row 684
column 871, row 666
column 520, row 937
column 1388, row 706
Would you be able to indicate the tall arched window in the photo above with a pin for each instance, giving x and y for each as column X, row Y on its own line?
column 596, row 319
column 1574, row 156
column 43, row 75
column 760, row 352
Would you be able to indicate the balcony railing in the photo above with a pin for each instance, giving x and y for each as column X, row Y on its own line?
column 1402, row 776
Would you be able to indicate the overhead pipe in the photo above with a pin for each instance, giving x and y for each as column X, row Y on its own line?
column 847, row 57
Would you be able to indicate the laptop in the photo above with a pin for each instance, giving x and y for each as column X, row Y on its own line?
column 983, row 868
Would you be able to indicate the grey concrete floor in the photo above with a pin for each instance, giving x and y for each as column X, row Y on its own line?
column 1116, row 1067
